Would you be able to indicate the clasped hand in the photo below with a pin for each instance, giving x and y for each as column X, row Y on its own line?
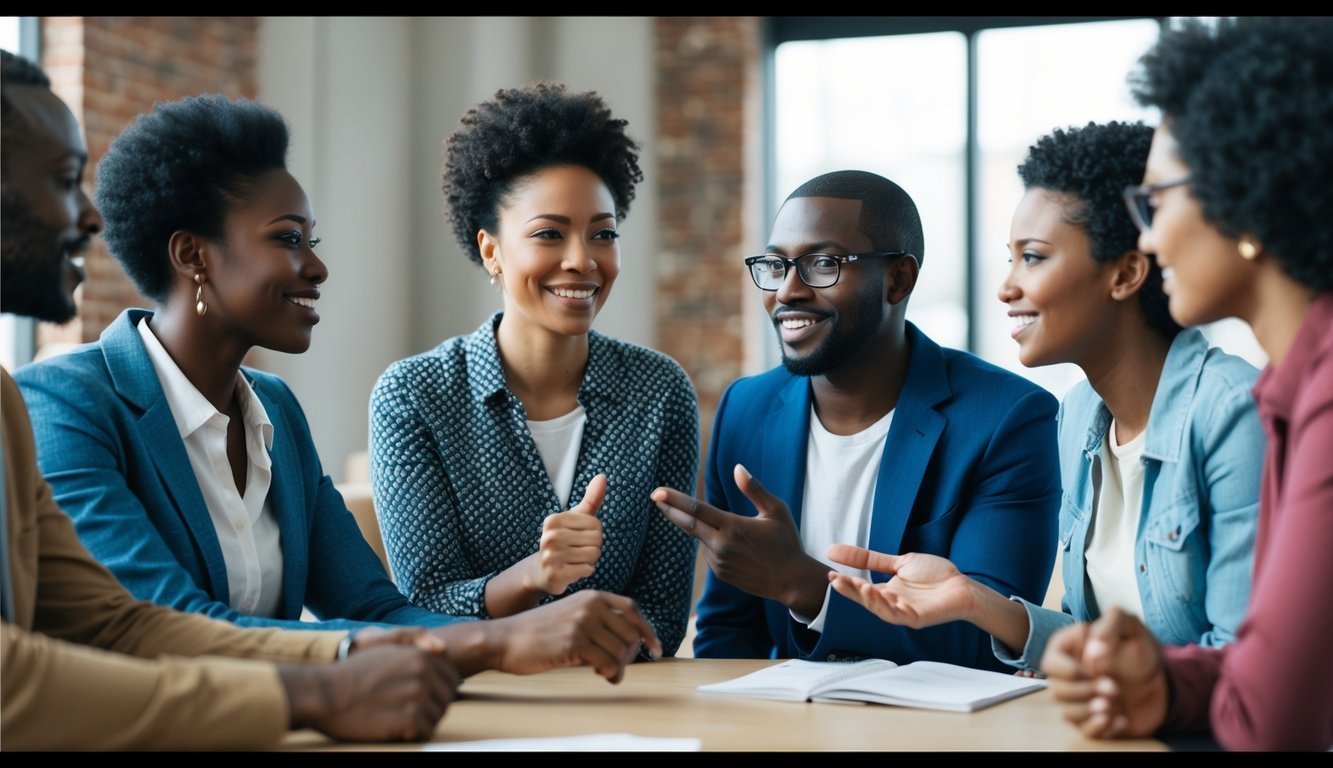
column 1108, row 676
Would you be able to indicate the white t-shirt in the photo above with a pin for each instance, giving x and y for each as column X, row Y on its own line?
column 558, row 442
column 246, row 526
column 1115, row 525
column 841, row 472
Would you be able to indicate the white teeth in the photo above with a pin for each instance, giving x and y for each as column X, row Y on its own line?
column 797, row 322
column 1022, row 321
column 566, row 293
column 301, row 301
column 1168, row 273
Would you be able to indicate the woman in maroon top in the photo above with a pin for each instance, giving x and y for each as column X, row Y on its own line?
column 1236, row 204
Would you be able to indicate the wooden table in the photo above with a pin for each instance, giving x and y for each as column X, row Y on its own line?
column 658, row 699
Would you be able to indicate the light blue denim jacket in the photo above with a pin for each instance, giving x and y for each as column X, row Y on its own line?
column 1202, row 453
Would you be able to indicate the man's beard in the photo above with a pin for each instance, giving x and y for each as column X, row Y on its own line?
column 846, row 335
column 33, row 280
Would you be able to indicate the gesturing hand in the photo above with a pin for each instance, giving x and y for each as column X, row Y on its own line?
column 597, row 629
column 386, row 692
column 571, row 543
column 926, row 590
column 1108, row 676
column 762, row 555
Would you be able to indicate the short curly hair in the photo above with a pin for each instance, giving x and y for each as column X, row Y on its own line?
column 180, row 167
column 522, row 131
column 1092, row 165
column 1249, row 101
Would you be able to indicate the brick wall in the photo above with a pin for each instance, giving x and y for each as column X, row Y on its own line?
column 707, row 136
column 109, row 69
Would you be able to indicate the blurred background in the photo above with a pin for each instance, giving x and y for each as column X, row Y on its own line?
column 732, row 113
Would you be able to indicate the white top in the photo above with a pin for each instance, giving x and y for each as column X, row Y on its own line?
column 558, row 441
column 1115, row 525
column 841, row 472
column 246, row 527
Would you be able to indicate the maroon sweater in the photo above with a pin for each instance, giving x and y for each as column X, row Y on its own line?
column 1272, row 688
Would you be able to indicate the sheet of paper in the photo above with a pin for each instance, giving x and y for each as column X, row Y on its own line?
column 593, row 742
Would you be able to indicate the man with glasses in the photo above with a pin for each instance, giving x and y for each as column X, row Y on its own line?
column 868, row 434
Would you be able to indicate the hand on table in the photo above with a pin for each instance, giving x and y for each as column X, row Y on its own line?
column 386, row 691
column 1108, row 676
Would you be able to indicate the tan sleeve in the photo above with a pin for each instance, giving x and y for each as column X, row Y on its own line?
column 59, row 695
column 79, row 600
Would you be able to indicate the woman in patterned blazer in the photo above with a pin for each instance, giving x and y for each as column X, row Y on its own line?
column 511, row 466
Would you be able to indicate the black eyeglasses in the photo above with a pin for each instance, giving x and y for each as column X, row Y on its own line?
column 817, row 270
column 1138, row 199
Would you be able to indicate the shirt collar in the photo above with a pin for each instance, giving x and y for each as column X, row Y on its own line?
column 486, row 377
column 190, row 408
column 1279, row 385
column 1176, row 388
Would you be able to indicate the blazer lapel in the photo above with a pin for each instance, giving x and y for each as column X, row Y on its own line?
column 136, row 381
column 286, row 493
column 784, row 441
column 911, row 441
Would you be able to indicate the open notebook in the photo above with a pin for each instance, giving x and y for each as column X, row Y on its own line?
column 924, row 684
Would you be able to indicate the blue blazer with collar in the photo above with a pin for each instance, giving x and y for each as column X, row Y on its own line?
column 109, row 447
column 970, row 471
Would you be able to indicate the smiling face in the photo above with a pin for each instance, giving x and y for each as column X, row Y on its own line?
column 263, row 279
column 1059, row 297
column 821, row 329
column 45, row 219
column 1202, row 271
column 555, row 251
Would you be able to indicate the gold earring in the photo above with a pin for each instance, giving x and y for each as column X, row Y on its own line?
column 200, row 308
column 1248, row 249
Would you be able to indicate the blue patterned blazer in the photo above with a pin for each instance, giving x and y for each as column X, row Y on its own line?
column 970, row 472
column 109, row 447
column 462, row 491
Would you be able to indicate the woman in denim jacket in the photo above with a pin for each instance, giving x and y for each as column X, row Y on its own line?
column 1158, row 446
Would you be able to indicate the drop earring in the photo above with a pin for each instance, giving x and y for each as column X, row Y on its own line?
column 200, row 308
column 495, row 276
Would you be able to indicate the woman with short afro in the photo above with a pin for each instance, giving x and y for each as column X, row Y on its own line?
column 512, row 466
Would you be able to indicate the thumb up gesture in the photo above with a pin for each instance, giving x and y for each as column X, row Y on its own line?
column 571, row 543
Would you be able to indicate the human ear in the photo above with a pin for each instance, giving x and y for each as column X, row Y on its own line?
column 901, row 278
column 186, row 251
column 489, row 247
column 1129, row 273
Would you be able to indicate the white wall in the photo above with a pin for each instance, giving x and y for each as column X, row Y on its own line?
column 369, row 102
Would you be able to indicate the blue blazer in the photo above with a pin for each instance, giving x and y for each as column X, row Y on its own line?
column 970, row 472
column 108, row 445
